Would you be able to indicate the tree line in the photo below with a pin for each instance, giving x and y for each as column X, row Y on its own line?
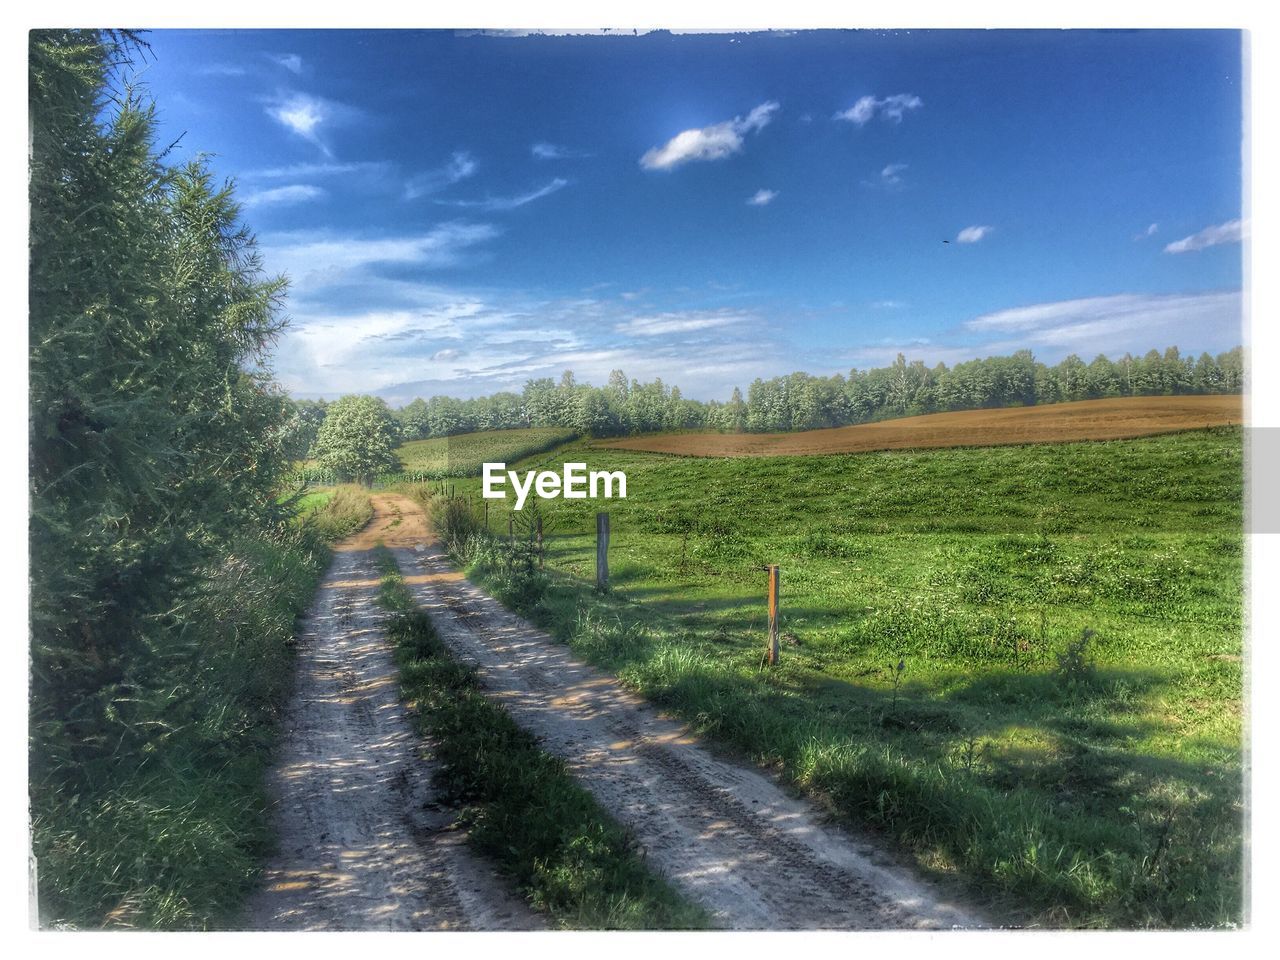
column 800, row 401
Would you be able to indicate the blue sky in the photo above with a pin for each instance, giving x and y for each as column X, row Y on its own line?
column 459, row 213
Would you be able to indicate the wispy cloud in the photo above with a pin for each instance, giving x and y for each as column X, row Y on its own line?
column 1094, row 323
column 1233, row 231
column 322, row 258
column 892, row 173
column 551, row 151
column 973, row 234
column 290, row 61
column 715, row 142
column 283, row 196
column 889, row 178
column 892, row 107
column 686, row 321
column 1151, row 231
column 762, row 198
column 509, row 203
column 1114, row 325
column 305, row 115
column 459, row 167
column 462, row 344
column 221, row 70
column 317, row 170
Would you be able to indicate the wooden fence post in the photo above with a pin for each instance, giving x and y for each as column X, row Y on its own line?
column 771, row 653
column 602, row 552
column 486, row 516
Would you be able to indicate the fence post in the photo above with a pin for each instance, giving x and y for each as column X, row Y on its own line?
column 540, row 555
column 602, row 552
column 486, row 516
column 771, row 652
column 511, row 528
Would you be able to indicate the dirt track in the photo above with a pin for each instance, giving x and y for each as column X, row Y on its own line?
column 362, row 846
column 729, row 836
column 1115, row 419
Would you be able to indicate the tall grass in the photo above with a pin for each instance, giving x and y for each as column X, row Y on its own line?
column 344, row 513
column 169, row 831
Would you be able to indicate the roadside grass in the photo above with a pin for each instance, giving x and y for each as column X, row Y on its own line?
column 345, row 510
column 170, row 831
column 521, row 806
column 1100, row 789
column 464, row 455
column 311, row 501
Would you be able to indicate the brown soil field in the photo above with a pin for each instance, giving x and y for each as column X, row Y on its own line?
column 1113, row 419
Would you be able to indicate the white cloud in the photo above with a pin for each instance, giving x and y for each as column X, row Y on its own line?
column 459, row 167
column 290, row 61
column 973, row 234
column 463, row 345
column 510, row 203
column 715, row 142
column 1130, row 321
column 281, row 196
column 892, row 108
column 315, row 260
column 316, row 170
column 1151, row 231
column 304, row 115
column 762, row 198
column 1233, row 231
column 1114, row 325
column 892, row 174
column 686, row 321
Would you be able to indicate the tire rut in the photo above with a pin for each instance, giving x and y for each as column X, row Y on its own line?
column 362, row 845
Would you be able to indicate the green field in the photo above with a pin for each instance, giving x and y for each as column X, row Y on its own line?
column 464, row 455
column 1098, row 789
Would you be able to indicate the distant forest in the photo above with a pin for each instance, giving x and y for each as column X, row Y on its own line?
column 799, row 401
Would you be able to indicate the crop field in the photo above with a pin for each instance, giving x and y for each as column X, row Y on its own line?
column 463, row 455
column 1022, row 662
column 1112, row 419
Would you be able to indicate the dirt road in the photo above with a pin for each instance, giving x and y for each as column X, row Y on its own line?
column 361, row 845
column 727, row 835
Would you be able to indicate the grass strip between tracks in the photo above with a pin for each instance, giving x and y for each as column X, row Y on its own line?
column 521, row 806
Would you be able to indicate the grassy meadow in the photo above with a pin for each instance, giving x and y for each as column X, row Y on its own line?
column 1022, row 663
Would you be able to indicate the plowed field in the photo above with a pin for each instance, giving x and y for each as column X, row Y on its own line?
column 1112, row 419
